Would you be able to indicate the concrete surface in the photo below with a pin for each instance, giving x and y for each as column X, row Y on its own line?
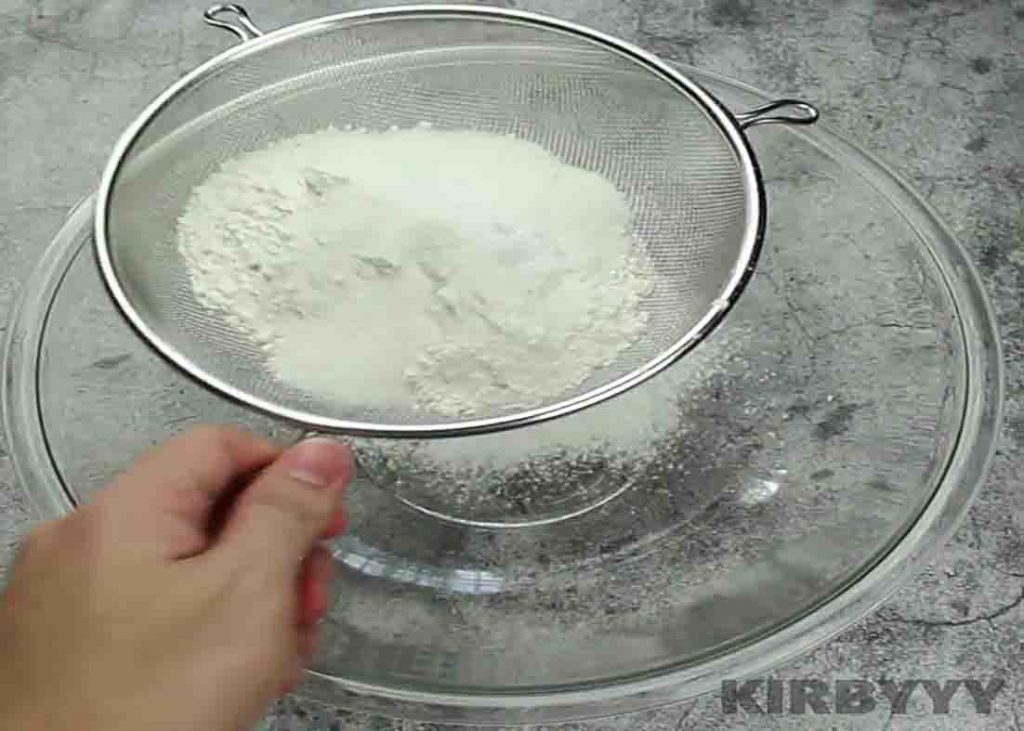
column 935, row 88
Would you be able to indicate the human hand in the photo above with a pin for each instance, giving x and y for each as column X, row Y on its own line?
column 182, row 598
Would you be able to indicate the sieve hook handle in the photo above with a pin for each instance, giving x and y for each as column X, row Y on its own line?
column 233, row 18
column 784, row 111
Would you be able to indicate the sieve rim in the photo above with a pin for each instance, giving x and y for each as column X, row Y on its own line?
column 724, row 119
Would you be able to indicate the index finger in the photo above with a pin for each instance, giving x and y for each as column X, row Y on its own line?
column 167, row 501
column 207, row 459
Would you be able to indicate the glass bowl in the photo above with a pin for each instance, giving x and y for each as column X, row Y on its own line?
column 766, row 491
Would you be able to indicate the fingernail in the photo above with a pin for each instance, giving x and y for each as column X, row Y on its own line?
column 320, row 462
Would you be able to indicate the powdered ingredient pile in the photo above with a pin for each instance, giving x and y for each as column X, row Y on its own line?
column 456, row 272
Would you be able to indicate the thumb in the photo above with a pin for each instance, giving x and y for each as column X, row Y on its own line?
column 279, row 517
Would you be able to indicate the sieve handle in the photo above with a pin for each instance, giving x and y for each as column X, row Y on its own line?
column 233, row 18
column 782, row 111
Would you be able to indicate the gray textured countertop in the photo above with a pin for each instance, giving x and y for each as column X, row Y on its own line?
column 935, row 88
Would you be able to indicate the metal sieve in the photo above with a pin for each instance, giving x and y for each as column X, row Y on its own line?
column 596, row 102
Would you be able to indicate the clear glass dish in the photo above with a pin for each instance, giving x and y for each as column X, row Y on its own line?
column 765, row 492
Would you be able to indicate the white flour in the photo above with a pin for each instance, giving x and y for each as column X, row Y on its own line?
column 552, row 468
column 457, row 272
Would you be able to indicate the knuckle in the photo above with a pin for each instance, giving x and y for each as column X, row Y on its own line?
column 224, row 447
column 199, row 434
column 218, row 445
column 219, row 440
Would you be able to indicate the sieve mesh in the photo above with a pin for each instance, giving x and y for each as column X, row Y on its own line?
column 693, row 194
